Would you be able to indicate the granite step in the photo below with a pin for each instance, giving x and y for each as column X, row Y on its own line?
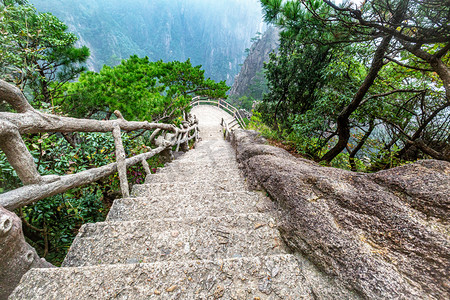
column 214, row 151
column 205, row 238
column 184, row 188
column 233, row 169
column 201, row 164
column 191, row 205
column 213, row 175
column 211, row 156
column 213, row 143
column 228, row 152
column 269, row 277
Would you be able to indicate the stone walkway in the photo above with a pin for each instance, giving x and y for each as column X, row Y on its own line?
column 192, row 231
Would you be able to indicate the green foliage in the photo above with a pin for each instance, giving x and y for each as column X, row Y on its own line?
column 140, row 89
column 256, row 123
column 59, row 217
column 294, row 77
column 36, row 50
column 324, row 59
column 243, row 102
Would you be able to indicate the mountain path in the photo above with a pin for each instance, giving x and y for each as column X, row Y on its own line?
column 192, row 231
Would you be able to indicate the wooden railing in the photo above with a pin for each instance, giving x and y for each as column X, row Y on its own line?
column 28, row 120
column 16, row 255
column 221, row 104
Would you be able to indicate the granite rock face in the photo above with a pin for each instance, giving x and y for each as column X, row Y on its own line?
column 254, row 63
column 386, row 234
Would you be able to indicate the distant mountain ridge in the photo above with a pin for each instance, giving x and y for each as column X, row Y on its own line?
column 213, row 34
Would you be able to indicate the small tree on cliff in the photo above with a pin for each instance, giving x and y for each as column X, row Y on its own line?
column 37, row 51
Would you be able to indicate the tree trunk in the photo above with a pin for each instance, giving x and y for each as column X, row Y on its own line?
column 436, row 63
column 428, row 150
column 343, row 120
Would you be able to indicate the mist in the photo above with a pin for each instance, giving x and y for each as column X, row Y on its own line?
column 213, row 34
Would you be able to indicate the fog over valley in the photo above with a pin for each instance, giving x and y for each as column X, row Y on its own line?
column 214, row 34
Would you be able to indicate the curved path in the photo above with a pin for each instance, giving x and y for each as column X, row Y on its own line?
column 192, row 231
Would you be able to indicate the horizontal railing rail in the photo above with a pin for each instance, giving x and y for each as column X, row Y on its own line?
column 221, row 103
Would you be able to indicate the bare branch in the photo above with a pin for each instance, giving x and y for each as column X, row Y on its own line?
column 13, row 96
column 407, row 66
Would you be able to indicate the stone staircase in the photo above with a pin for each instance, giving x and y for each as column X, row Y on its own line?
column 192, row 231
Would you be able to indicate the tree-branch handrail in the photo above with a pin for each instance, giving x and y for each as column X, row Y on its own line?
column 221, row 103
column 29, row 120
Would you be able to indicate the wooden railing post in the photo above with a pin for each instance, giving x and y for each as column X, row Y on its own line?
column 18, row 156
column 180, row 136
column 146, row 167
column 185, row 144
column 121, row 164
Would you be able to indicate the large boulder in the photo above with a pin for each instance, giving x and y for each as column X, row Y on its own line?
column 386, row 234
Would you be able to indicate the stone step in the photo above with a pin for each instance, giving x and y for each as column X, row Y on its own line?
column 195, row 167
column 217, row 160
column 210, row 150
column 211, row 145
column 210, row 156
column 205, row 167
column 213, row 142
column 215, row 175
column 271, row 277
column 191, row 205
column 207, row 238
column 192, row 187
column 207, row 136
column 201, row 164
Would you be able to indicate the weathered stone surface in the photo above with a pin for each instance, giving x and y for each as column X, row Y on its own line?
column 178, row 206
column 273, row 277
column 209, row 238
column 384, row 234
column 157, row 189
column 210, row 174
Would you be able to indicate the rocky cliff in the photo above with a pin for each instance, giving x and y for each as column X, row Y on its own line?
column 254, row 63
column 385, row 234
